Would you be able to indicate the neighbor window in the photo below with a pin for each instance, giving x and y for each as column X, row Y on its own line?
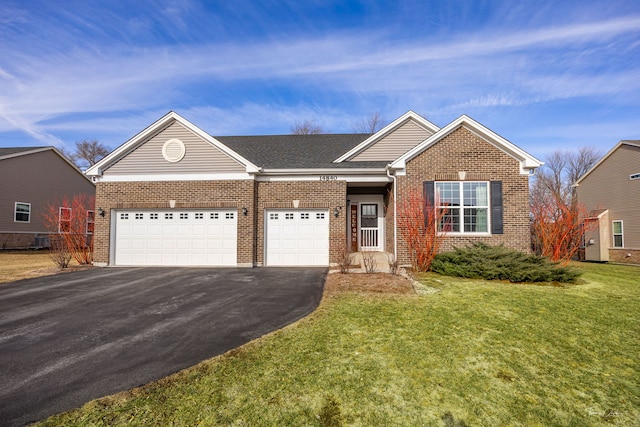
column 464, row 206
column 22, row 212
column 618, row 240
column 91, row 219
column 64, row 220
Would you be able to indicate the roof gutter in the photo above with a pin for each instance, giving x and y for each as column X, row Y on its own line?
column 395, row 212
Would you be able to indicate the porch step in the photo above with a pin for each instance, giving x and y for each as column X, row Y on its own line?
column 381, row 261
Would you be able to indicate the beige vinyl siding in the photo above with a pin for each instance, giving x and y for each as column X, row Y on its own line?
column 200, row 156
column 39, row 178
column 609, row 187
column 395, row 144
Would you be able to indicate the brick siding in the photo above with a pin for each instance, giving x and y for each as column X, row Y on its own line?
column 187, row 194
column 464, row 151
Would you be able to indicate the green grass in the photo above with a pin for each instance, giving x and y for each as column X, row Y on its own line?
column 477, row 353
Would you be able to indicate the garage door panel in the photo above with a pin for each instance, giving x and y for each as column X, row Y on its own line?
column 176, row 238
column 297, row 237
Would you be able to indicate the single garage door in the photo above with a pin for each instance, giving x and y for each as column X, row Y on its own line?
column 176, row 237
column 297, row 237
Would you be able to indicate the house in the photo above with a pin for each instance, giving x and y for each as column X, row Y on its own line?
column 30, row 179
column 174, row 195
column 610, row 191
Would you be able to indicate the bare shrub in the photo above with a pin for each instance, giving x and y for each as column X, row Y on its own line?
column 58, row 251
column 345, row 259
column 369, row 261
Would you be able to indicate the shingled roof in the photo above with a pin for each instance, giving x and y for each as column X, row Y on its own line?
column 298, row 151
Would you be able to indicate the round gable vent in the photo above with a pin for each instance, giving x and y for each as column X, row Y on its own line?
column 173, row 150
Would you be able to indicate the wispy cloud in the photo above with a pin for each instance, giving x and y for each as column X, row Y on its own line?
column 331, row 77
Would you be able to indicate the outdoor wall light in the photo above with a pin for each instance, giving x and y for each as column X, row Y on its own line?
column 101, row 212
column 336, row 212
column 245, row 211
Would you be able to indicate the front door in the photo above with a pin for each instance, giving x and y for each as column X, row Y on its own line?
column 366, row 223
column 369, row 233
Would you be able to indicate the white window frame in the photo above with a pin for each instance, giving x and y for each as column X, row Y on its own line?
column 60, row 218
column 15, row 212
column 91, row 219
column 461, row 207
column 614, row 234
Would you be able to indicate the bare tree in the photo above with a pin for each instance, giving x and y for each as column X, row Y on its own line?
column 557, row 217
column 306, row 127
column 88, row 153
column 561, row 170
column 371, row 124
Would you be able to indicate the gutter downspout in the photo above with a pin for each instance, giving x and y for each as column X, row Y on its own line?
column 395, row 218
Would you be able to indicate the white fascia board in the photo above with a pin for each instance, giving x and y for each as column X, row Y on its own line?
column 327, row 178
column 341, row 171
column 98, row 168
column 386, row 130
column 176, row 177
column 527, row 161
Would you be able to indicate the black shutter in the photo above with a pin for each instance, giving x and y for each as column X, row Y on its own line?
column 429, row 193
column 496, row 207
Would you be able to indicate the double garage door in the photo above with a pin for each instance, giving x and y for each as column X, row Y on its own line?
column 176, row 237
column 210, row 237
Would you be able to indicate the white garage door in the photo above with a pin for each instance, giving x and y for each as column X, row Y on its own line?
column 297, row 237
column 176, row 237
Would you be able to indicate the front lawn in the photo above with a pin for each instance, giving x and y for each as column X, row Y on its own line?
column 26, row 264
column 476, row 353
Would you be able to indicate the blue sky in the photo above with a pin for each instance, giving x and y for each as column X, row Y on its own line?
column 545, row 75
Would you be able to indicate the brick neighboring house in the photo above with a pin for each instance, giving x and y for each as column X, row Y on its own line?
column 175, row 195
column 30, row 179
column 610, row 191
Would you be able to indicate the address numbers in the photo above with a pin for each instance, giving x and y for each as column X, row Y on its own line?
column 328, row 177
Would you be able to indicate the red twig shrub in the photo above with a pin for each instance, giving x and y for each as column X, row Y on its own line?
column 418, row 225
column 558, row 228
column 70, row 224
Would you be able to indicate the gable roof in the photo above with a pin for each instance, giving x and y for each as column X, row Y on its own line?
column 8, row 152
column 527, row 161
column 409, row 115
column 12, row 152
column 298, row 151
column 157, row 126
column 630, row 142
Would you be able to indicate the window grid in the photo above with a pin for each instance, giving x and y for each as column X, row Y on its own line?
column 168, row 216
column 199, row 215
column 184, row 215
column 229, row 215
column 618, row 234
column 320, row 215
column 470, row 216
column 22, row 212
column 213, row 215
column 91, row 219
column 288, row 216
column 124, row 216
column 304, row 216
column 153, row 216
column 139, row 216
column 64, row 220
column 273, row 216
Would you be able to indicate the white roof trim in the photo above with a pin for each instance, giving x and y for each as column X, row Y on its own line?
column 127, row 147
column 605, row 157
column 527, row 161
column 385, row 131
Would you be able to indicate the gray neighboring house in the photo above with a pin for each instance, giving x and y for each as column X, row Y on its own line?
column 30, row 179
column 610, row 191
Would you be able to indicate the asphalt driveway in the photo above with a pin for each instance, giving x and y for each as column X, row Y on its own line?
column 73, row 337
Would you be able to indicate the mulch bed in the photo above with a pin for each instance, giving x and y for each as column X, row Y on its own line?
column 376, row 283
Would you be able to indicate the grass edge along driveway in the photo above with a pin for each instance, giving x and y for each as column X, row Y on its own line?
column 477, row 353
